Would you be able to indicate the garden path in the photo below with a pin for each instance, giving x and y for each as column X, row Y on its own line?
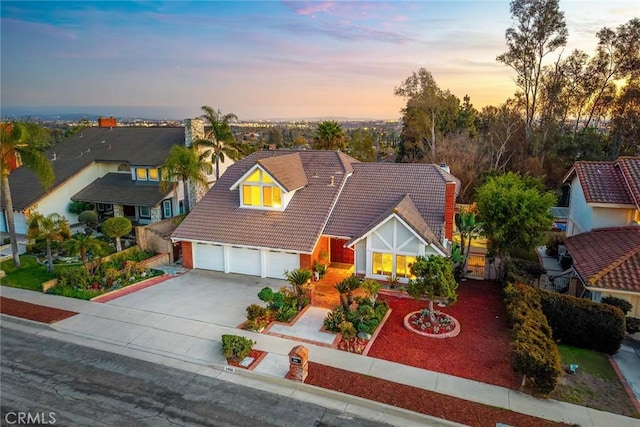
column 325, row 294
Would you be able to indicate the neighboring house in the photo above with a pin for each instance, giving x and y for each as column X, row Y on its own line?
column 115, row 168
column 281, row 210
column 603, row 231
column 607, row 262
column 603, row 194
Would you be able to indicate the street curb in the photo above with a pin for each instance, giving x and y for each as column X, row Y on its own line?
column 26, row 322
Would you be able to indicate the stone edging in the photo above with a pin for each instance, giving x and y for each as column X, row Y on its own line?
column 375, row 334
column 449, row 334
column 131, row 288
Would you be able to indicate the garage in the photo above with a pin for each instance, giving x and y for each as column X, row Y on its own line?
column 278, row 262
column 208, row 257
column 244, row 261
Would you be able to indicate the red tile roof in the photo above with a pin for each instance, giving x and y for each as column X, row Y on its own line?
column 630, row 168
column 608, row 182
column 608, row 258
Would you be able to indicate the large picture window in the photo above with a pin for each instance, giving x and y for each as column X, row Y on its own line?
column 403, row 265
column 383, row 264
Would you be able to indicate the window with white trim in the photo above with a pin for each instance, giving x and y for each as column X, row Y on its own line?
column 144, row 212
column 259, row 190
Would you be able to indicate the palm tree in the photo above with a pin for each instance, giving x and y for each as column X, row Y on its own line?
column 26, row 141
column 83, row 243
column 329, row 136
column 53, row 227
column 299, row 280
column 219, row 139
column 469, row 228
column 184, row 164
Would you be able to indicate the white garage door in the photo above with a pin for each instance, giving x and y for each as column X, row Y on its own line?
column 244, row 261
column 278, row 262
column 208, row 257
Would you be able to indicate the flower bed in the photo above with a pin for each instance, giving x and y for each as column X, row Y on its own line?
column 442, row 326
column 480, row 352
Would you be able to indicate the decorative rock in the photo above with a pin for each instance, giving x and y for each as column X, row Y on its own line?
column 364, row 336
column 246, row 362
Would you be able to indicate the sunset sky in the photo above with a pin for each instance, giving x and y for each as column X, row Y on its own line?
column 264, row 59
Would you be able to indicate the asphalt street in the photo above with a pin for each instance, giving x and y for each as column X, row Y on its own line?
column 58, row 383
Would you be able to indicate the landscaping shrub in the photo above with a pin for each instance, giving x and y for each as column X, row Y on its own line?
column 73, row 277
column 365, row 318
column 281, row 306
column 622, row 304
column 236, row 347
column 523, row 271
column 633, row 325
column 535, row 354
column 583, row 323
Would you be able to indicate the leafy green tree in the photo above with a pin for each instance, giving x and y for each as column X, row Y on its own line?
column 53, row 227
column 539, row 29
column 329, row 136
column 429, row 114
column 515, row 213
column 362, row 146
column 115, row 228
column 81, row 243
column 219, row 139
column 185, row 164
column 434, row 280
column 28, row 142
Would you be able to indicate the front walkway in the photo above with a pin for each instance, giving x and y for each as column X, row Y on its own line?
column 325, row 294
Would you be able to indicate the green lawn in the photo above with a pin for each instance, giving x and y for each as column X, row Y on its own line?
column 589, row 361
column 30, row 275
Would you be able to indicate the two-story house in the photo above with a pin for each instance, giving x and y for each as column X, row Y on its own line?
column 279, row 210
column 603, row 228
column 114, row 168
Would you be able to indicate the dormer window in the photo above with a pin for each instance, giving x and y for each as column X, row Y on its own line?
column 147, row 174
column 259, row 190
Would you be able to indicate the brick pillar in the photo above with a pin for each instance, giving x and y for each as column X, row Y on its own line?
column 449, row 209
column 298, row 363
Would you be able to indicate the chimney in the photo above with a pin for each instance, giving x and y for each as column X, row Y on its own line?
column 193, row 130
column 272, row 147
column 449, row 209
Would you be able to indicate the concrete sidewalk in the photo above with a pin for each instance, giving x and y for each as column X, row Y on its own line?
column 197, row 342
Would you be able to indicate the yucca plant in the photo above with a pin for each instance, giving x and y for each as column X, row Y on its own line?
column 299, row 280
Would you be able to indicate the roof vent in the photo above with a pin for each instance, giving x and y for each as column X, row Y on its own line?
column 445, row 168
column 332, row 181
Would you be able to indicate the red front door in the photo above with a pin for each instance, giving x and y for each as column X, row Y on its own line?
column 339, row 253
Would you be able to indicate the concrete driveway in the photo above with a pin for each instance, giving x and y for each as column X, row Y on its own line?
column 206, row 296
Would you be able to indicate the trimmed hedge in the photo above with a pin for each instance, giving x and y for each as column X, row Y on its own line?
column 583, row 323
column 535, row 354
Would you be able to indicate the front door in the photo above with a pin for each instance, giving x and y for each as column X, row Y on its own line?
column 339, row 253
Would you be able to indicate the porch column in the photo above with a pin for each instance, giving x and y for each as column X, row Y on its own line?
column 118, row 210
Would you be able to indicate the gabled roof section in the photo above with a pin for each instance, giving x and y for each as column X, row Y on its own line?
column 630, row 168
column 287, row 170
column 608, row 258
column 406, row 210
column 602, row 182
column 374, row 188
column 218, row 217
column 135, row 146
column 119, row 188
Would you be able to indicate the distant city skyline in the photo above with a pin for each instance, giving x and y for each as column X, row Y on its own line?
column 265, row 59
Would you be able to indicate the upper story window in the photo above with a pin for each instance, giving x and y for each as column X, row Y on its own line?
column 147, row 174
column 259, row 190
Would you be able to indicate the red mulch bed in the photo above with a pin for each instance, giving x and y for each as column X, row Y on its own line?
column 418, row 400
column 482, row 350
column 38, row 313
column 257, row 358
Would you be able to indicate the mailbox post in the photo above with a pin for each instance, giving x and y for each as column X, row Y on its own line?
column 298, row 363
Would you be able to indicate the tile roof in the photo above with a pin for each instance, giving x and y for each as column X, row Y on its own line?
column 119, row 188
column 130, row 145
column 630, row 168
column 374, row 188
column 408, row 212
column 286, row 169
column 608, row 258
column 218, row 217
column 602, row 182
